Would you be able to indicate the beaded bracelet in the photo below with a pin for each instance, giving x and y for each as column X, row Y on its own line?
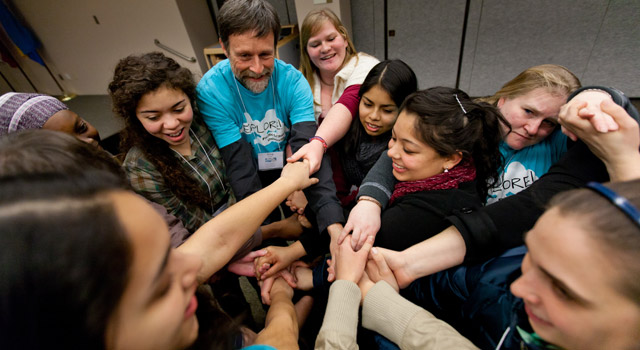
column 322, row 141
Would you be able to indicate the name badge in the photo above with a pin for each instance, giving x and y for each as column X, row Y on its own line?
column 270, row 160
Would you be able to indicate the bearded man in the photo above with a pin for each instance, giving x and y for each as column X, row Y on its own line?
column 257, row 106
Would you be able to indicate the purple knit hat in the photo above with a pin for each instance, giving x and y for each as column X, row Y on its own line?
column 20, row 111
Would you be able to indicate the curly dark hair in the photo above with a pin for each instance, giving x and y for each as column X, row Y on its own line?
column 135, row 76
column 475, row 132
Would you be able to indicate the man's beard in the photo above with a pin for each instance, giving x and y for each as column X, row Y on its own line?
column 254, row 86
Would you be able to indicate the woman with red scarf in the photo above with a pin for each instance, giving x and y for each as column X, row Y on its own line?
column 444, row 149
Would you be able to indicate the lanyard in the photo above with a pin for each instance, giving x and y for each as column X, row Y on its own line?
column 198, row 173
column 246, row 113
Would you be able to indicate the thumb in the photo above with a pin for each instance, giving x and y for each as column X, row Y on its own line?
column 290, row 279
column 380, row 261
column 314, row 166
column 617, row 112
column 312, row 181
column 296, row 156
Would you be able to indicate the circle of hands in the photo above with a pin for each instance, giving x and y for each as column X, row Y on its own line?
column 592, row 117
column 364, row 267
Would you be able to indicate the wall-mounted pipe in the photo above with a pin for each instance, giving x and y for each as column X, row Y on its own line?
column 181, row 55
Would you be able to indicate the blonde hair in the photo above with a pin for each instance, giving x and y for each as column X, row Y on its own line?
column 311, row 24
column 552, row 77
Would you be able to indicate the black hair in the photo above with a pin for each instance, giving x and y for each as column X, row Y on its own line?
column 397, row 79
column 39, row 151
column 64, row 259
column 450, row 122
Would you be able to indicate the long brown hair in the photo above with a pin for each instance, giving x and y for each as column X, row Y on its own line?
column 310, row 26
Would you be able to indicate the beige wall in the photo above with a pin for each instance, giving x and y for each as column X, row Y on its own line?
column 202, row 33
column 342, row 9
column 14, row 80
column 86, row 53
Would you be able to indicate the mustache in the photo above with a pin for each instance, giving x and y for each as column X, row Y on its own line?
column 250, row 74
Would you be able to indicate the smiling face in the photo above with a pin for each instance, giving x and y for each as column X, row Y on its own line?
column 377, row 111
column 157, row 309
column 533, row 116
column 251, row 59
column 412, row 158
column 327, row 49
column 166, row 114
column 570, row 288
column 70, row 123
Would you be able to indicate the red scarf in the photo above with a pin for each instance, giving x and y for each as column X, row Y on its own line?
column 465, row 171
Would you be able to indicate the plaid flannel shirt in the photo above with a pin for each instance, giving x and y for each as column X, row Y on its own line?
column 148, row 182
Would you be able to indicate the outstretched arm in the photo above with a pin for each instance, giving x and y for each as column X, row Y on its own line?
column 333, row 128
column 340, row 323
column 281, row 324
column 322, row 197
column 373, row 196
column 335, row 124
column 440, row 252
column 217, row 240
column 411, row 327
column 490, row 230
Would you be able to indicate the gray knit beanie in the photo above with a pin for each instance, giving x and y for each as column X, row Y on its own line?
column 20, row 111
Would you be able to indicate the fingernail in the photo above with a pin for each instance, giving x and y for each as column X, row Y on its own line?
column 374, row 251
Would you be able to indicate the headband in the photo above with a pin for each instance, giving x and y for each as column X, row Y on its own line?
column 620, row 202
